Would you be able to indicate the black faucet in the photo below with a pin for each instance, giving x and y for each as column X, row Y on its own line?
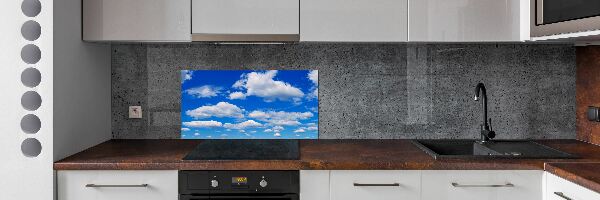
column 486, row 129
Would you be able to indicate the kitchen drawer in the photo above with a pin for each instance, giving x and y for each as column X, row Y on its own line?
column 556, row 186
column 162, row 185
column 482, row 185
column 386, row 185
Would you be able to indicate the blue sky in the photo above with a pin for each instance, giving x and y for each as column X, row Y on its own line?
column 246, row 104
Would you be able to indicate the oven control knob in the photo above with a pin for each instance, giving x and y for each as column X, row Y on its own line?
column 263, row 183
column 214, row 183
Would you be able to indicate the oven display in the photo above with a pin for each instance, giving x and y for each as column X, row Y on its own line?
column 239, row 180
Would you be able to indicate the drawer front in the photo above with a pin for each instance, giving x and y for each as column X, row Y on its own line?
column 560, row 189
column 375, row 185
column 117, row 185
column 482, row 185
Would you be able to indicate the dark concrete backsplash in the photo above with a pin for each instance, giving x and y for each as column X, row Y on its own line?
column 369, row 91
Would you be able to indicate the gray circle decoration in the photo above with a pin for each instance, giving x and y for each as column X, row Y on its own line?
column 31, row 124
column 31, row 77
column 31, row 100
column 31, row 30
column 31, row 8
column 31, row 147
column 31, row 54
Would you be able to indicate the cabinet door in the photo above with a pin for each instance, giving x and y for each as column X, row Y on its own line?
column 245, row 17
column 375, row 185
column 482, row 185
column 136, row 20
column 117, row 185
column 561, row 189
column 353, row 21
column 314, row 185
column 468, row 20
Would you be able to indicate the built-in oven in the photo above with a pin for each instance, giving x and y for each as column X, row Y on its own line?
column 552, row 17
column 237, row 185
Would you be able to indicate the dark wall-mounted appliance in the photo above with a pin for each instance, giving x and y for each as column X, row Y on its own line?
column 552, row 17
column 234, row 185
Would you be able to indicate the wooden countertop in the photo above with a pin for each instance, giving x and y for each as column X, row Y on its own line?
column 314, row 154
column 331, row 155
column 584, row 174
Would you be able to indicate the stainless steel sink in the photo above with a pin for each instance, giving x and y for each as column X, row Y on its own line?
column 471, row 149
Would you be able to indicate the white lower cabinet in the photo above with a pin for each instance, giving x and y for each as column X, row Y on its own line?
column 560, row 189
column 375, row 185
column 117, row 185
column 314, row 184
column 482, row 185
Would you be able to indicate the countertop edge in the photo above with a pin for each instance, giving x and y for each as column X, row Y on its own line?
column 572, row 176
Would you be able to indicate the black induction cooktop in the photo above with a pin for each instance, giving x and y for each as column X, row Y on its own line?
column 268, row 149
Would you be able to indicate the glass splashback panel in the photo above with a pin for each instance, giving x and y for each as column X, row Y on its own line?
column 246, row 104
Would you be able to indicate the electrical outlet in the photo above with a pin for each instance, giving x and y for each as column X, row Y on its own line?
column 135, row 112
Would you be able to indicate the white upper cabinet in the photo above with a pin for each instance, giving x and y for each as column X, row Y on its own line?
column 468, row 20
column 136, row 20
column 354, row 20
column 245, row 20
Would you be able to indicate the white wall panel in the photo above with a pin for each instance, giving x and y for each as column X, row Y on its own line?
column 25, row 177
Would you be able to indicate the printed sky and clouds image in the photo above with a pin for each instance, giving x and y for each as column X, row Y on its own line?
column 246, row 104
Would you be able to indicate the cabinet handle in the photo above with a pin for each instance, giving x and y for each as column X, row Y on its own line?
column 491, row 185
column 376, row 185
column 114, row 186
column 560, row 194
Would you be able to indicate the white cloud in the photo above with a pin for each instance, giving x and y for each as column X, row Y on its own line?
column 196, row 134
column 243, row 125
column 262, row 85
column 312, row 128
column 203, row 124
column 204, row 91
column 268, row 130
column 313, row 75
column 278, row 128
column 222, row 109
column 208, row 136
column 300, row 130
column 281, row 117
column 186, row 75
column 224, row 135
column 242, row 131
column 284, row 122
column 185, row 129
column 277, row 134
column 314, row 93
column 237, row 95
column 252, row 131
